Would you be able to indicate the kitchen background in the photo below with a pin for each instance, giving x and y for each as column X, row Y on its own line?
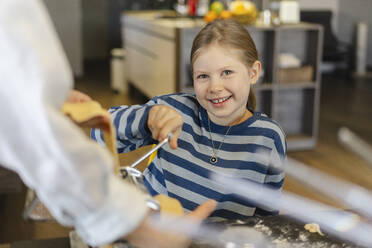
column 90, row 29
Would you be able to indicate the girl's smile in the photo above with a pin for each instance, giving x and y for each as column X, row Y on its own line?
column 217, row 102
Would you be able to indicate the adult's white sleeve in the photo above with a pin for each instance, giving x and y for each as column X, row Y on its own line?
column 71, row 174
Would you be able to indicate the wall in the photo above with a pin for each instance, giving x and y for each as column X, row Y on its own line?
column 82, row 26
column 95, row 29
column 66, row 16
column 352, row 12
column 319, row 4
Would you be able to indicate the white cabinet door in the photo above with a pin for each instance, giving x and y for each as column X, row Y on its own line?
column 150, row 60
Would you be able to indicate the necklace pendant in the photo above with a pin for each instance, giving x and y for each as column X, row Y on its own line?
column 213, row 160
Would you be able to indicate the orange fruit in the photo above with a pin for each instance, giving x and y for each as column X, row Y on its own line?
column 210, row 16
column 226, row 14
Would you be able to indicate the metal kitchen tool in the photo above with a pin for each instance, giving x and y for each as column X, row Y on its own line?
column 135, row 175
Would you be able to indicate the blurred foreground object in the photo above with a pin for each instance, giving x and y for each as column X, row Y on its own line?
column 336, row 222
column 355, row 144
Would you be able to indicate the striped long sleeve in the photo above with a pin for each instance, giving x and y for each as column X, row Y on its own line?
column 248, row 151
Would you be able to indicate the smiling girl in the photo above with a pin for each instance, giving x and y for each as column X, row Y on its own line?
column 215, row 130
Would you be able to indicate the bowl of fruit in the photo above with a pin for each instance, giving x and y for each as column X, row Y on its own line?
column 244, row 12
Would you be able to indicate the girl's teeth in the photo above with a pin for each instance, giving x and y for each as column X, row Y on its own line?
column 220, row 100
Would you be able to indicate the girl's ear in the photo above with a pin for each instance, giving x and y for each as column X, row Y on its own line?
column 255, row 72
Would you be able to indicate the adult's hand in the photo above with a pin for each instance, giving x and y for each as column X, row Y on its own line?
column 77, row 96
column 99, row 121
column 148, row 236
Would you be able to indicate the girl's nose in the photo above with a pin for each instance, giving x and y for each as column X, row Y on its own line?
column 216, row 85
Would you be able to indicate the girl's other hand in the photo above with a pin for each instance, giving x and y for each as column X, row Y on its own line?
column 164, row 120
column 77, row 96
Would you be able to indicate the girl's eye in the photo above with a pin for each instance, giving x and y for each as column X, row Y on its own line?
column 202, row 76
column 227, row 72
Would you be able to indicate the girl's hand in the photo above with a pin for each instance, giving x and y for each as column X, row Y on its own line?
column 163, row 120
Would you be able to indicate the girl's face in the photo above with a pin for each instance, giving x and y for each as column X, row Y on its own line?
column 222, row 83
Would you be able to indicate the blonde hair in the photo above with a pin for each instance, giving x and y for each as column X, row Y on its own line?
column 231, row 34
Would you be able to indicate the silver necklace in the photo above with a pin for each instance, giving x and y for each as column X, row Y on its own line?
column 214, row 158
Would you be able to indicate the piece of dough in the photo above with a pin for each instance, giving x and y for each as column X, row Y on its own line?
column 313, row 228
column 83, row 111
column 169, row 205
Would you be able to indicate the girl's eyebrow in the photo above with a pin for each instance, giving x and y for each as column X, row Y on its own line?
column 219, row 69
column 200, row 71
column 225, row 67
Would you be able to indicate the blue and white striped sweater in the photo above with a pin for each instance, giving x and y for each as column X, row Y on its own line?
column 184, row 173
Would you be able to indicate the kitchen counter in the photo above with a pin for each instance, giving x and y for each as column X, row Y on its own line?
column 277, row 231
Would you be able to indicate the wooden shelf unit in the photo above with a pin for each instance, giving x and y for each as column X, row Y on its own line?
column 294, row 105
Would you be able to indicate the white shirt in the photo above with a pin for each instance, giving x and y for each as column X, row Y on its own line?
column 71, row 174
